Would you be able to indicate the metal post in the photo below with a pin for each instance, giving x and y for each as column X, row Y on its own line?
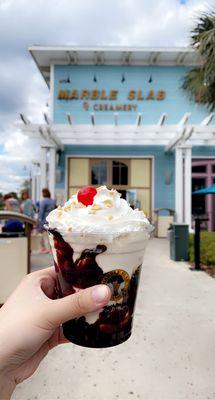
column 197, row 244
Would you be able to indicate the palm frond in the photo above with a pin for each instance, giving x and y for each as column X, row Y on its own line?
column 200, row 82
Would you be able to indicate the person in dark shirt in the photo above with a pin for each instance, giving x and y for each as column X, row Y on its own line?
column 47, row 204
column 12, row 204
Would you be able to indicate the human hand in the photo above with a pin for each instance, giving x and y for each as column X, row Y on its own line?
column 30, row 324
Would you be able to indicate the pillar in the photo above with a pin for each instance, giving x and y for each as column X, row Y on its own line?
column 33, row 186
column 188, row 185
column 179, row 184
column 43, row 168
column 52, row 170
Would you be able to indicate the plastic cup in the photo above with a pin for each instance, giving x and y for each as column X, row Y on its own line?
column 82, row 262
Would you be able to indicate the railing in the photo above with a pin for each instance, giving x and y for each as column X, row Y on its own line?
column 29, row 222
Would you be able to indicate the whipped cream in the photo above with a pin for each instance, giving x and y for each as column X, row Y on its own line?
column 109, row 214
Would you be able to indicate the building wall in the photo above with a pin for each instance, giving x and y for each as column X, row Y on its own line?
column 137, row 78
column 144, row 79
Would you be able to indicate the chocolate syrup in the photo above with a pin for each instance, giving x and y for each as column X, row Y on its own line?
column 84, row 271
column 114, row 323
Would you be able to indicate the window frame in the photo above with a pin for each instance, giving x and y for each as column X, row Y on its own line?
column 110, row 172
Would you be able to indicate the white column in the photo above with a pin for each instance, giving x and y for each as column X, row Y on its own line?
column 43, row 168
column 38, row 188
column 187, row 185
column 33, row 186
column 179, row 184
column 52, row 170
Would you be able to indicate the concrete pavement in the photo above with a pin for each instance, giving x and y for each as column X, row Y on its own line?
column 170, row 356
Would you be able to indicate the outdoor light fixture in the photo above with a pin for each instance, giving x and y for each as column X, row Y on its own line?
column 116, row 118
column 94, row 79
column 150, row 79
column 65, row 80
column 92, row 116
column 139, row 119
column 123, row 78
column 168, row 177
column 58, row 156
column 69, row 118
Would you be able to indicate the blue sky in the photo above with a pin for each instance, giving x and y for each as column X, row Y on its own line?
column 63, row 22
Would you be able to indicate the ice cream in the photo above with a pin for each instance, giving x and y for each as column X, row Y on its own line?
column 108, row 214
column 97, row 237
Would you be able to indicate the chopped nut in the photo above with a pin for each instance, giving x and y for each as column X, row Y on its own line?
column 94, row 209
column 67, row 207
column 108, row 203
column 109, row 217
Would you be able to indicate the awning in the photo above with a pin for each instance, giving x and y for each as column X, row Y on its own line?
column 207, row 190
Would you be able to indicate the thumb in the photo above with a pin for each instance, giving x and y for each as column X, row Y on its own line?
column 76, row 305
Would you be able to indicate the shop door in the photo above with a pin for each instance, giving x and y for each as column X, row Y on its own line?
column 131, row 177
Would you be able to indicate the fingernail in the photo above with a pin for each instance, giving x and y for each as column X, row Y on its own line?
column 100, row 294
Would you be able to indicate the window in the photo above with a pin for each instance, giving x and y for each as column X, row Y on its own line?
column 99, row 173
column 199, row 168
column 213, row 169
column 119, row 173
column 198, row 201
column 113, row 173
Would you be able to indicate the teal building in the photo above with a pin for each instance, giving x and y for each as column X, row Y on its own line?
column 119, row 116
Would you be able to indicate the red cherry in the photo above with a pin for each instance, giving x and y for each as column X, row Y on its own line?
column 86, row 195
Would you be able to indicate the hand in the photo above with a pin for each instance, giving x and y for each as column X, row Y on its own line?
column 30, row 324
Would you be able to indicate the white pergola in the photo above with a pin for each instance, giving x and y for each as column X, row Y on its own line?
column 180, row 137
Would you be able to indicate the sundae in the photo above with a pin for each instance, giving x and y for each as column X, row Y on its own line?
column 96, row 237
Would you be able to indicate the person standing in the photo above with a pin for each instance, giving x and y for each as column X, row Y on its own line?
column 47, row 204
column 27, row 205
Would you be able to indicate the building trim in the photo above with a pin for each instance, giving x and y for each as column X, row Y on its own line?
column 117, row 55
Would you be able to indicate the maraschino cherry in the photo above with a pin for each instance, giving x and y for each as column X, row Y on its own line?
column 86, row 195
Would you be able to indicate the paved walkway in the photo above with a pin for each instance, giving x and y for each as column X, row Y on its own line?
column 171, row 355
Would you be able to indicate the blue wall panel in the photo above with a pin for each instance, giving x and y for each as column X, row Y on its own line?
column 203, row 151
column 136, row 78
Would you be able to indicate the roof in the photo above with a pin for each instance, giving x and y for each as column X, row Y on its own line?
column 171, row 56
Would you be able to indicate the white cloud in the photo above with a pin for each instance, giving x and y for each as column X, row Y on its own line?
column 58, row 22
column 15, row 161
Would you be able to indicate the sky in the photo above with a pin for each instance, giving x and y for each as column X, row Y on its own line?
column 24, row 23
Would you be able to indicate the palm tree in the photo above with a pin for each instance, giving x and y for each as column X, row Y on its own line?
column 199, row 82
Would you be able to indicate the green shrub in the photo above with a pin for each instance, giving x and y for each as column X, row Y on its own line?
column 207, row 248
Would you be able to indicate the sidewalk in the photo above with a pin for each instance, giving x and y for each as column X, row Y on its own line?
column 170, row 356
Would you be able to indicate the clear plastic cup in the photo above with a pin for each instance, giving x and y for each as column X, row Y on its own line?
column 82, row 262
